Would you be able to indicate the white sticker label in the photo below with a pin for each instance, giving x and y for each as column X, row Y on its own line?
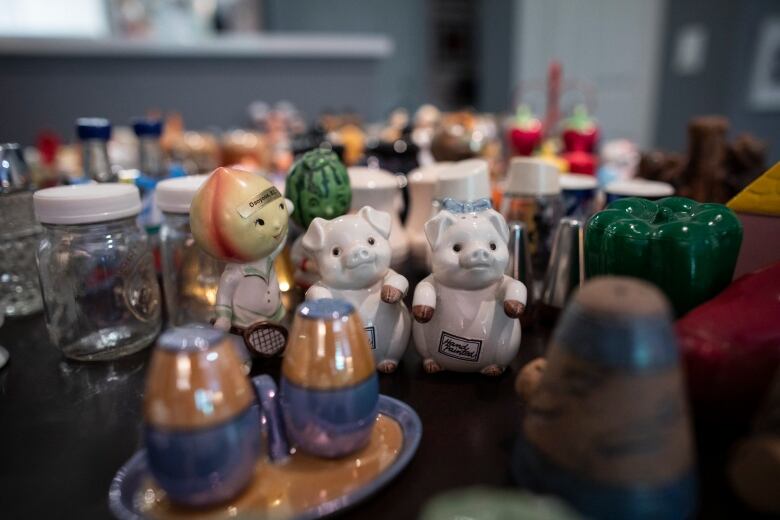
column 371, row 333
column 258, row 201
column 459, row 348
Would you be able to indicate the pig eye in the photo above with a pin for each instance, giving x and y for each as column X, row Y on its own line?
column 281, row 206
column 371, row 241
column 259, row 222
column 456, row 248
column 492, row 246
column 336, row 251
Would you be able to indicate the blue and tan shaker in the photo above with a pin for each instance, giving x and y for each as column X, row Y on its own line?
column 202, row 429
column 329, row 388
column 608, row 427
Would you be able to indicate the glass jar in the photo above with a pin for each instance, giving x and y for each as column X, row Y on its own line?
column 532, row 195
column 190, row 276
column 100, row 291
column 20, row 294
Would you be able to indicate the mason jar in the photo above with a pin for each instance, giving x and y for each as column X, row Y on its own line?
column 190, row 276
column 100, row 291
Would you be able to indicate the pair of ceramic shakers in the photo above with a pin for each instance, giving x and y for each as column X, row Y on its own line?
column 465, row 313
column 203, row 416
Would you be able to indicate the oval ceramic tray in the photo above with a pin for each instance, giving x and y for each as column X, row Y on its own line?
column 293, row 489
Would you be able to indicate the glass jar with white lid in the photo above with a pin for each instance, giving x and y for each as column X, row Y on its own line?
column 100, row 291
column 190, row 276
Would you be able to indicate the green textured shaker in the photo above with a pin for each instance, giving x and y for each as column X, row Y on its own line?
column 687, row 249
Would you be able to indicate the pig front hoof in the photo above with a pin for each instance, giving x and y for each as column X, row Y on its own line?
column 387, row 366
column 431, row 366
column 422, row 313
column 513, row 308
column 493, row 370
column 390, row 294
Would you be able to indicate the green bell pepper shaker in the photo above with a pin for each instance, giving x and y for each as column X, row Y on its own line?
column 687, row 249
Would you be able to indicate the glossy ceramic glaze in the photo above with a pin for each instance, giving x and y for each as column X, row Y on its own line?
column 304, row 487
column 461, row 320
column 608, row 427
column 381, row 190
column 729, row 344
column 422, row 188
column 329, row 388
column 202, row 426
column 242, row 219
column 318, row 186
column 687, row 249
column 353, row 255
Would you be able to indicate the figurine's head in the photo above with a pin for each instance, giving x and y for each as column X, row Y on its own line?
column 352, row 251
column 469, row 244
column 239, row 217
column 318, row 185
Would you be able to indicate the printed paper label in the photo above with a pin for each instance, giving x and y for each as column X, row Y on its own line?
column 460, row 348
column 371, row 333
column 258, row 201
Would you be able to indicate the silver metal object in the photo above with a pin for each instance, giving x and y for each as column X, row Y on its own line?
column 14, row 173
column 566, row 270
column 520, row 267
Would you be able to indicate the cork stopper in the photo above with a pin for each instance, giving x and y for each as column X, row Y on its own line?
column 619, row 322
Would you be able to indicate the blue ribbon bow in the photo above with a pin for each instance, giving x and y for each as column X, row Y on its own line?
column 469, row 206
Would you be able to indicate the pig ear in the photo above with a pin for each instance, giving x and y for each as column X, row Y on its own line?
column 435, row 228
column 314, row 238
column 380, row 220
column 290, row 206
column 498, row 221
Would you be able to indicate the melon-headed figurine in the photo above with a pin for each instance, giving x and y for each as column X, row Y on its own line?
column 318, row 185
column 240, row 218
column 466, row 312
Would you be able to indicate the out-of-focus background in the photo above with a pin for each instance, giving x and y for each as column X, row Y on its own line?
column 641, row 68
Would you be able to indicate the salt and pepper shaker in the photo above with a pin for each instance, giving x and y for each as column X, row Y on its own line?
column 608, row 427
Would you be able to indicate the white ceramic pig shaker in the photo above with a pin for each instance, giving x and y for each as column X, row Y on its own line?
column 466, row 311
column 353, row 255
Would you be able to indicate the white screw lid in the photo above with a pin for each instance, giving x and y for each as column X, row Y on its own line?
column 464, row 180
column 530, row 176
column 577, row 181
column 86, row 203
column 427, row 174
column 640, row 188
column 175, row 195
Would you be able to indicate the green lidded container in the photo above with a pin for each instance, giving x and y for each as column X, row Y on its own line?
column 688, row 249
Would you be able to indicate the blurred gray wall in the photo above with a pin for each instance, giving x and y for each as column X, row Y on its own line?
column 722, row 86
column 402, row 78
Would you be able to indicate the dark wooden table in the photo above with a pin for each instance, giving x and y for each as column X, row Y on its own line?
column 65, row 428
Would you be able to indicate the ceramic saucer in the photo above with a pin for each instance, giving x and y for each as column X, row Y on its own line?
column 301, row 488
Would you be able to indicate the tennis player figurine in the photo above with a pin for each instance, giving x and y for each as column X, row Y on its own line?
column 241, row 218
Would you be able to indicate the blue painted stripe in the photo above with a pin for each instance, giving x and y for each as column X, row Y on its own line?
column 675, row 500
column 205, row 466
column 330, row 423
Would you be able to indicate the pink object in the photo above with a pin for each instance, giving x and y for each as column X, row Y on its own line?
column 731, row 345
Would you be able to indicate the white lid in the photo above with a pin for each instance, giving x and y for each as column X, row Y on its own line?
column 464, row 180
column 86, row 203
column 175, row 195
column 577, row 181
column 640, row 188
column 427, row 174
column 365, row 178
column 531, row 176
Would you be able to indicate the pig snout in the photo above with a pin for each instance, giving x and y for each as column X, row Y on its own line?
column 358, row 256
column 476, row 257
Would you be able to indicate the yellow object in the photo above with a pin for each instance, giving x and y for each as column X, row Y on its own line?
column 760, row 197
column 290, row 489
column 548, row 152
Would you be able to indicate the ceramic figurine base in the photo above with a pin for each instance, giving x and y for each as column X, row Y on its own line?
column 304, row 487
